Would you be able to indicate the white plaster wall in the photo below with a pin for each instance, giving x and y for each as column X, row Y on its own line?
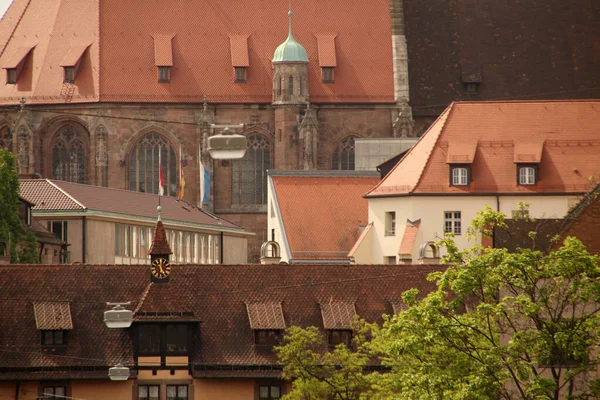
column 430, row 210
column 273, row 222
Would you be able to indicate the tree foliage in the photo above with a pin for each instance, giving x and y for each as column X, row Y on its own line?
column 21, row 241
column 520, row 325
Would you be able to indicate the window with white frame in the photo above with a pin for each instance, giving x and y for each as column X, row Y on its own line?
column 390, row 223
column 527, row 175
column 452, row 222
column 460, row 176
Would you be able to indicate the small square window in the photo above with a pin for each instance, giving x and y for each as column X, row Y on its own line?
column 460, row 176
column 177, row 392
column 11, row 76
column 327, row 73
column 269, row 391
column 390, row 223
column 69, row 74
column 452, row 223
column 267, row 337
column 54, row 338
column 472, row 87
column 337, row 336
column 164, row 74
column 148, row 392
column 527, row 175
column 240, row 74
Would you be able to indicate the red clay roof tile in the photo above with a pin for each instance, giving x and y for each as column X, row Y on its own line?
column 239, row 50
column 338, row 315
column 567, row 129
column 265, row 315
column 409, row 238
column 326, row 45
column 322, row 214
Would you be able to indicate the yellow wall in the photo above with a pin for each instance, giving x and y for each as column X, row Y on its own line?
column 224, row 389
column 100, row 246
column 235, row 250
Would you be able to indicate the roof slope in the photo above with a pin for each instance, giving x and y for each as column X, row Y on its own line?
column 120, row 63
column 322, row 214
column 215, row 295
column 56, row 195
column 569, row 131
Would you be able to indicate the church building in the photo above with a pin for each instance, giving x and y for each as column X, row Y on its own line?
column 98, row 91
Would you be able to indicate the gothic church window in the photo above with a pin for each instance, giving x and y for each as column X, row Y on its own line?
column 143, row 165
column 291, row 86
column 250, row 173
column 68, row 156
column 6, row 138
column 343, row 157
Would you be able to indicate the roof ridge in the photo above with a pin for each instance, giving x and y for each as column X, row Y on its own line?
column 448, row 114
column 66, row 194
column 143, row 298
column 461, row 102
column 409, row 151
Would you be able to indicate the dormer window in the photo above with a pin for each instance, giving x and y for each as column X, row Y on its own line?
column 240, row 74
column 266, row 320
column 527, row 174
column 155, row 339
column 337, row 321
column 164, row 74
column 69, row 74
column 267, row 337
column 460, row 175
column 11, row 76
column 327, row 74
column 54, row 338
column 337, row 336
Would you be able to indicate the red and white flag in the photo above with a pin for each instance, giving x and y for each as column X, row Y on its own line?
column 161, row 180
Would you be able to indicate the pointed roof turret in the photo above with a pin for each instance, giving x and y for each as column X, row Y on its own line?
column 160, row 245
column 290, row 50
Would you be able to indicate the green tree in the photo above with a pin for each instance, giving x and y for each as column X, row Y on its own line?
column 22, row 243
column 505, row 325
column 321, row 373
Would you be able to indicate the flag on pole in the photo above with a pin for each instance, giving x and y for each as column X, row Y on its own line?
column 204, row 184
column 161, row 180
column 181, row 177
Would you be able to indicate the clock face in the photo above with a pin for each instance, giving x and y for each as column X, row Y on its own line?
column 161, row 268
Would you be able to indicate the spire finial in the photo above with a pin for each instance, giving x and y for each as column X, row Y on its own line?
column 159, row 209
column 290, row 18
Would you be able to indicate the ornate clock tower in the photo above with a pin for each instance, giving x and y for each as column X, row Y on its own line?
column 159, row 253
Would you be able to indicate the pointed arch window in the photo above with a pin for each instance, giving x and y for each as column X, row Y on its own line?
column 68, row 155
column 291, row 86
column 6, row 138
column 143, row 165
column 250, row 173
column 343, row 157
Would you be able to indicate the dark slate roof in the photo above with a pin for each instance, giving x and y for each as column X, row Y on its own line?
column 213, row 295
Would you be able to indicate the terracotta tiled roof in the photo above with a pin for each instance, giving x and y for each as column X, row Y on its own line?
column 322, row 214
column 160, row 244
column 214, row 294
column 51, row 195
column 326, row 44
column 265, row 315
column 504, row 130
column 338, row 315
column 409, row 238
column 52, row 316
column 120, row 64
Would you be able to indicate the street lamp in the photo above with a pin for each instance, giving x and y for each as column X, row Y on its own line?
column 118, row 316
column 118, row 373
column 227, row 145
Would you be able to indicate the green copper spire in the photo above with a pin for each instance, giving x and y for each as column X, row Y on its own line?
column 290, row 50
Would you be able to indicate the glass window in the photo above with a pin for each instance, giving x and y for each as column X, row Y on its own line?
column 53, row 338
column 176, row 338
column 460, row 176
column 240, row 74
column 327, row 74
column 526, row 175
column 11, row 76
column 164, row 74
column 69, row 74
column 390, row 223
column 337, row 336
column 148, row 392
column 269, row 392
column 177, row 392
column 143, row 165
column 54, row 392
column 290, row 85
column 267, row 337
column 204, row 240
column 68, row 156
column 343, row 156
column 452, row 222
column 249, row 179
column 149, row 339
